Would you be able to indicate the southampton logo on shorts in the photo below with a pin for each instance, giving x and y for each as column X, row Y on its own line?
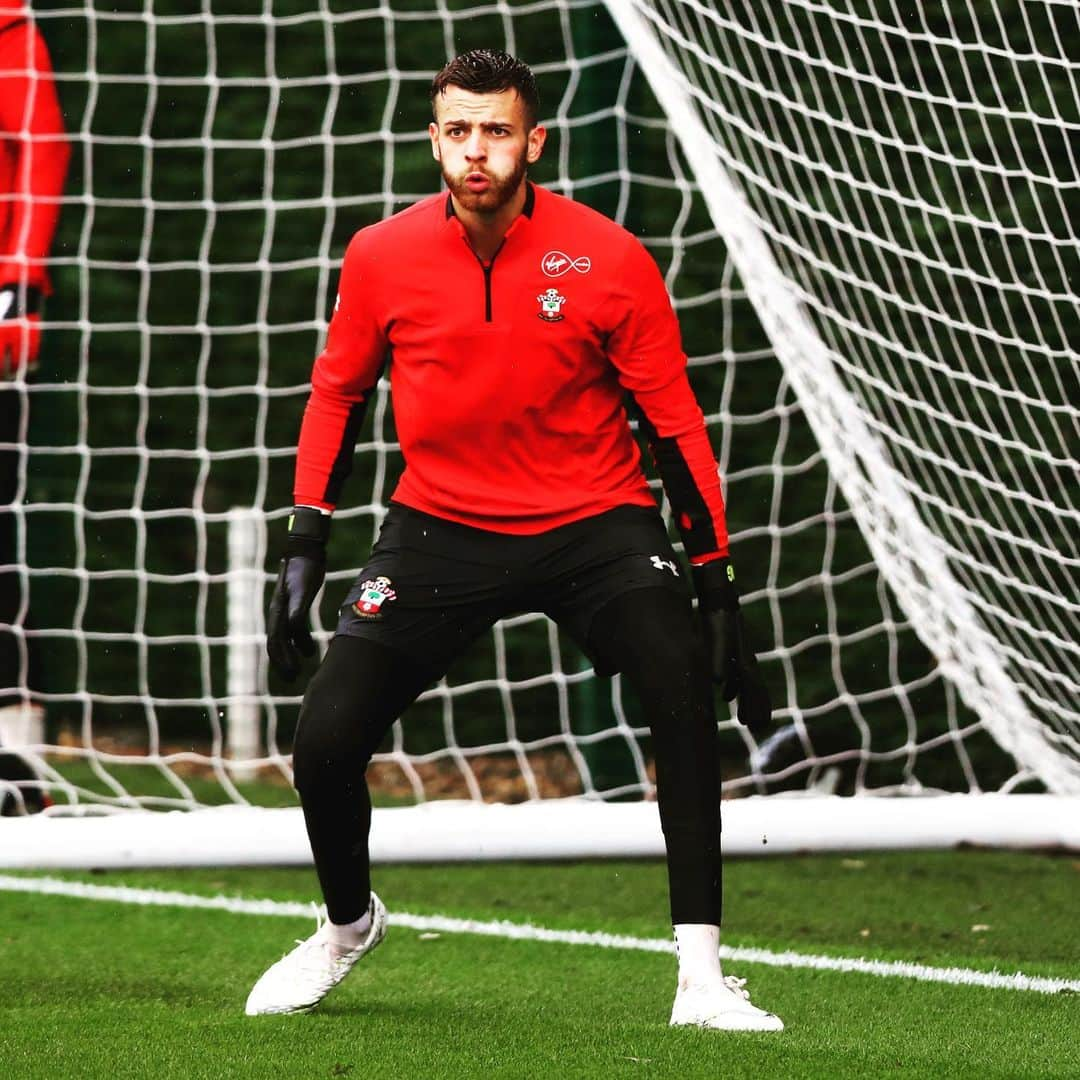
column 550, row 306
column 373, row 594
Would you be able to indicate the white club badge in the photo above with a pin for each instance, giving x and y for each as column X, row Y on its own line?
column 551, row 306
column 373, row 595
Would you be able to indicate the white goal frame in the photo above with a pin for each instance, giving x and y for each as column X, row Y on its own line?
column 553, row 829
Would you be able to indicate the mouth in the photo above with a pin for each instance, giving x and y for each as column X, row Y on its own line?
column 477, row 182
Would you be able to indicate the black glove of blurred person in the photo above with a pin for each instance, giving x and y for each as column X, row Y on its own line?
column 303, row 568
column 20, row 329
column 734, row 665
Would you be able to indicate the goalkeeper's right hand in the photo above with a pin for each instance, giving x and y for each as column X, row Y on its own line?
column 299, row 579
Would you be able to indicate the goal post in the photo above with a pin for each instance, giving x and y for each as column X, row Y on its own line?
column 553, row 829
column 863, row 219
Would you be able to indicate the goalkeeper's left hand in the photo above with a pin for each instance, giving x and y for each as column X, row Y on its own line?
column 20, row 329
column 734, row 664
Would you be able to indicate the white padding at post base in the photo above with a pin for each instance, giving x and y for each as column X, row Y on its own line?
column 551, row 829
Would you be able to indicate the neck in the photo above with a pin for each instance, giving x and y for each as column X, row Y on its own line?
column 486, row 230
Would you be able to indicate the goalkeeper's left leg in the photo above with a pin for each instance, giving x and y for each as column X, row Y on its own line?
column 650, row 635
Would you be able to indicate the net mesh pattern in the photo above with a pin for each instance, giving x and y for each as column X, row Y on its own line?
column 915, row 178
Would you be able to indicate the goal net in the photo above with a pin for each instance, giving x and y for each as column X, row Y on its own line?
column 866, row 217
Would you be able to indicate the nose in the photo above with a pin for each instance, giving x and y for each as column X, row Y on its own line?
column 476, row 148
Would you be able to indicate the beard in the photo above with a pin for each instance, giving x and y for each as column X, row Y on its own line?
column 501, row 188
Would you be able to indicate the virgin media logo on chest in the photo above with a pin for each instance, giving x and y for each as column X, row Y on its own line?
column 556, row 263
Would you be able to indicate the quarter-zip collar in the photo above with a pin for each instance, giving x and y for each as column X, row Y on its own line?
column 487, row 265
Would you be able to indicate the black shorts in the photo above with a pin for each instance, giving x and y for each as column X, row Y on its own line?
column 431, row 586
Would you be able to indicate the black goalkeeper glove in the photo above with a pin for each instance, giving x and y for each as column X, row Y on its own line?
column 299, row 579
column 734, row 664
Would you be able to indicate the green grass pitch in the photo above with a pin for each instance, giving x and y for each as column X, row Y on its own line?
column 104, row 989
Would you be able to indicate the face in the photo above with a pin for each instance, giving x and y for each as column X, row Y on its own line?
column 484, row 145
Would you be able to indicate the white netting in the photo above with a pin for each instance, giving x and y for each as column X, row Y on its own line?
column 912, row 182
column 918, row 281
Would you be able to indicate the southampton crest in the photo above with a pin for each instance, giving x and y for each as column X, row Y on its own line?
column 373, row 594
column 551, row 306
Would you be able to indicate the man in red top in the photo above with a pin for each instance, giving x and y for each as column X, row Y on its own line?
column 33, row 164
column 517, row 321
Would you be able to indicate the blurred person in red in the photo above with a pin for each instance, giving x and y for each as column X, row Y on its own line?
column 33, row 164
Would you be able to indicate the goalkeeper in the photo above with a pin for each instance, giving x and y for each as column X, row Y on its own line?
column 517, row 320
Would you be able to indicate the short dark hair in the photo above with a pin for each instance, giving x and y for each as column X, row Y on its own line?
column 489, row 71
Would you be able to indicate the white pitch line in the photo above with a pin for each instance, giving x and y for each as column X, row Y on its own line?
column 526, row 932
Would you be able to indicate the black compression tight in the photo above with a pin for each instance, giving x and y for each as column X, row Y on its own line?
column 362, row 687
column 651, row 637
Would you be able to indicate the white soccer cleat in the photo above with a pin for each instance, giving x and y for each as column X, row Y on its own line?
column 303, row 977
column 721, row 1004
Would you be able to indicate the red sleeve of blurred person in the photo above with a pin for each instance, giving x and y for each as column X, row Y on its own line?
column 33, row 150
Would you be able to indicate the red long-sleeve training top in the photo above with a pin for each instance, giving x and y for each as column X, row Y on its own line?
column 33, row 151
column 509, row 378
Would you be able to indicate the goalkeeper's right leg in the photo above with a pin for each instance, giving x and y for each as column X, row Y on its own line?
column 360, row 689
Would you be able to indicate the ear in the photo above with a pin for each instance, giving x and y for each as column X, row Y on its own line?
column 535, row 145
column 433, row 131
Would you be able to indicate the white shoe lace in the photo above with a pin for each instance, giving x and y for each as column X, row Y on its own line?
column 314, row 954
column 321, row 920
column 320, row 950
column 736, row 985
